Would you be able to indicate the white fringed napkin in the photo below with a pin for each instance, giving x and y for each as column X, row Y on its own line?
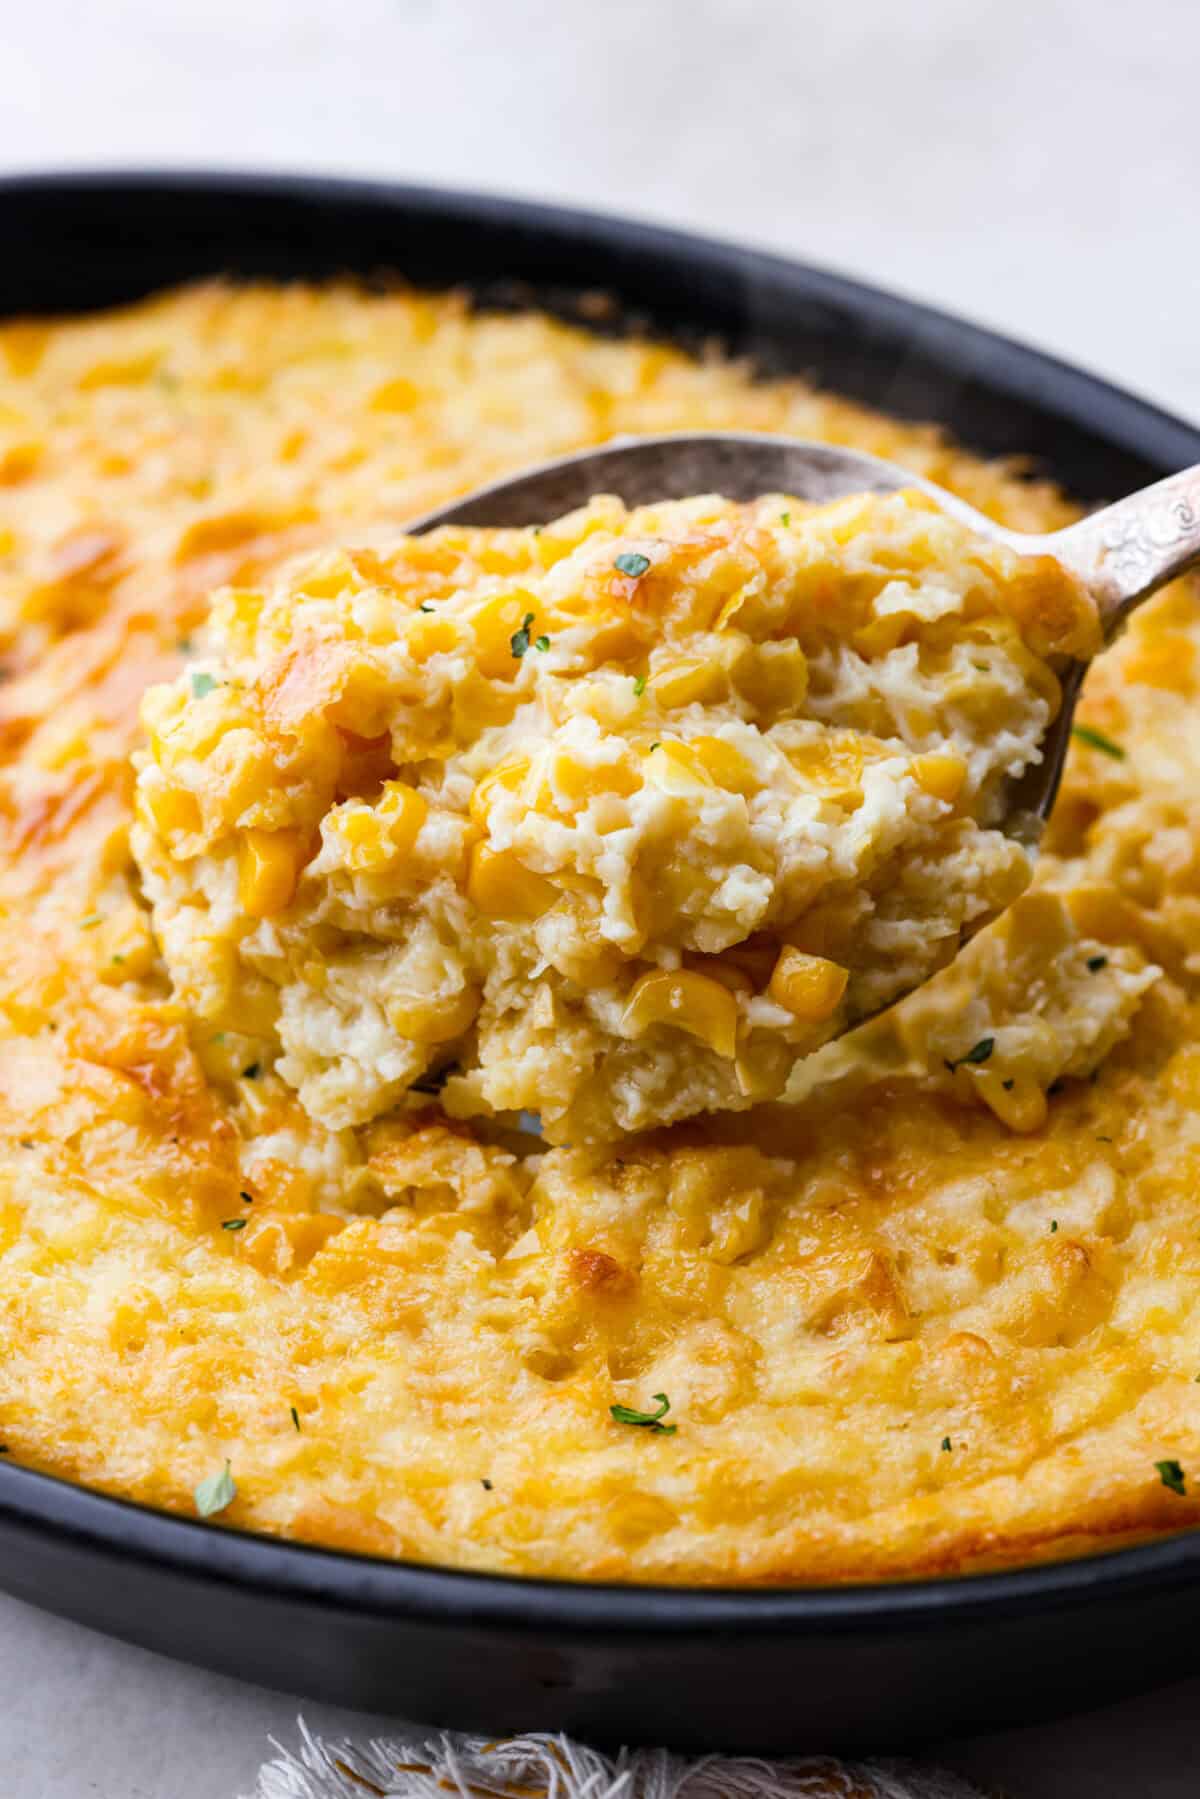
column 555, row 1767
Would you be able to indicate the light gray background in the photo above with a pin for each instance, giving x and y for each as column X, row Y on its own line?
column 1034, row 165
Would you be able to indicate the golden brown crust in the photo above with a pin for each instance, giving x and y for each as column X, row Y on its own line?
column 826, row 1291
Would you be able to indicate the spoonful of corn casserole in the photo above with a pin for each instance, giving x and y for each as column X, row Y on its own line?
column 613, row 818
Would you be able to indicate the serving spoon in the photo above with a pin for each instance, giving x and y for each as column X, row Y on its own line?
column 1122, row 554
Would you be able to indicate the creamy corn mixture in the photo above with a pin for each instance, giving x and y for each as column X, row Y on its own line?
column 936, row 1307
column 612, row 820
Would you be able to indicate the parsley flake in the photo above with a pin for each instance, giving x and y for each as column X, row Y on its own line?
column 543, row 643
column 201, row 684
column 233, row 1224
column 90, row 922
column 1098, row 741
column 485, row 1484
column 625, row 1414
column 785, row 518
column 247, row 1199
column 424, row 606
column 947, row 1444
column 215, row 1492
column 1096, row 963
column 978, row 1052
column 1172, row 1477
column 639, row 686
column 295, row 1416
column 632, row 563
column 1053, row 1226
column 184, row 645
column 251, row 1073
column 519, row 641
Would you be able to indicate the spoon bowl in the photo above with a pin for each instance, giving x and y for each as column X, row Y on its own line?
column 1122, row 554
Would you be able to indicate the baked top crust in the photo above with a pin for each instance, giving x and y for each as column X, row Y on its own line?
column 912, row 1317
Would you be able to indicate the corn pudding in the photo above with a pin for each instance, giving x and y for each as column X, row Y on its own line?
column 934, row 1306
column 617, row 818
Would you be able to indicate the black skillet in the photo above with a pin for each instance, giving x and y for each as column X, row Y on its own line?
column 868, row 1667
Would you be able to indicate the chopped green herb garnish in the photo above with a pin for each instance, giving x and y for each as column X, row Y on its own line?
column 247, row 1199
column 295, row 1416
column 633, row 563
column 1172, row 1477
column 486, row 1484
column 519, row 641
column 425, row 606
column 1096, row 963
column 184, row 645
column 655, row 746
column 118, row 958
column 1008, row 1085
column 978, row 1052
column 219, row 1038
column 537, row 530
column 625, row 1414
column 639, row 685
column 946, row 1443
column 251, row 1073
column 233, row 1224
column 785, row 518
column 90, row 922
column 201, row 684
column 1053, row 1226
column 1088, row 734
column 215, row 1492
column 543, row 643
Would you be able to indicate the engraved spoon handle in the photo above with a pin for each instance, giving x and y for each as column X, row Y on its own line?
column 1128, row 551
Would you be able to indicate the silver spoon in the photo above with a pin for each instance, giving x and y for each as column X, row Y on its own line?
column 1122, row 554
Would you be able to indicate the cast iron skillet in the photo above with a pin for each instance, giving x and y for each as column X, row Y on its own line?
column 868, row 1667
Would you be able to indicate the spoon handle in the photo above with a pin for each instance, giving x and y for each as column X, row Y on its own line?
column 1128, row 551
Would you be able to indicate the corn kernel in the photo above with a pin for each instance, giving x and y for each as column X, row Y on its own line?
column 614, row 640
column 508, row 776
column 501, row 886
column 1021, row 1104
column 727, row 765
column 808, row 986
column 268, row 869
column 578, row 782
column 174, row 810
column 686, row 681
column 675, row 768
column 429, row 636
column 284, row 1244
column 398, row 395
column 402, row 811
column 436, row 1017
column 689, row 1001
column 495, row 625
column 941, row 774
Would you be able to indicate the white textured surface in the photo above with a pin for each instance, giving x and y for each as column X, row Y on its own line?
column 1032, row 163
